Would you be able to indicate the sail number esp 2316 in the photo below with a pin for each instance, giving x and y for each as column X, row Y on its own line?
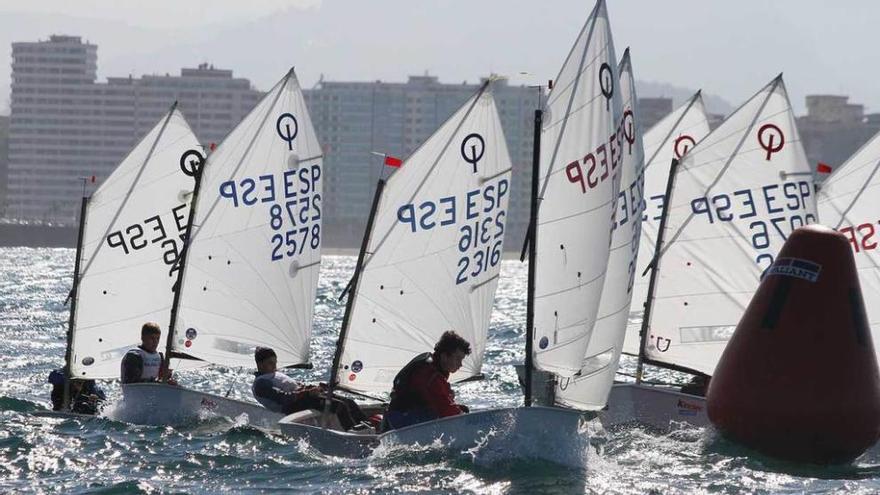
column 481, row 237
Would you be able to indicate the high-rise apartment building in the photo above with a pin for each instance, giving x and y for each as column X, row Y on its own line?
column 4, row 142
column 352, row 119
column 65, row 125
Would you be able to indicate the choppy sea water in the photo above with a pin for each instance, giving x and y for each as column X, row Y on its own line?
column 217, row 455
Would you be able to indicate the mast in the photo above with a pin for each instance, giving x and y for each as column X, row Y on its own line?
column 181, row 261
column 73, row 297
column 532, row 240
column 352, row 288
column 654, row 266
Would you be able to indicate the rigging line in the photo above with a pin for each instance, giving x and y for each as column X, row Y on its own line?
column 131, row 188
column 721, row 173
column 232, row 385
column 280, row 89
column 361, row 394
column 574, row 111
column 452, row 136
column 857, row 196
column 673, row 129
column 772, row 85
column 843, row 170
column 591, row 20
column 586, row 67
column 746, row 150
column 574, row 92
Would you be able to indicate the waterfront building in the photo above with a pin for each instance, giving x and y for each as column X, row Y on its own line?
column 66, row 126
column 4, row 141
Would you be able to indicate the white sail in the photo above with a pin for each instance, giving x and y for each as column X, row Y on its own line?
column 590, row 388
column 848, row 202
column 736, row 196
column 670, row 138
column 132, row 235
column 251, row 271
column 581, row 148
column 434, row 254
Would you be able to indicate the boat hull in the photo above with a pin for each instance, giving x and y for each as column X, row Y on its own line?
column 162, row 404
column 551, row 434
column 654, row 406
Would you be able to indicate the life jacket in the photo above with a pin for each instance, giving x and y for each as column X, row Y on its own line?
column 152, row 362
column 272, row 389
column 403, row 397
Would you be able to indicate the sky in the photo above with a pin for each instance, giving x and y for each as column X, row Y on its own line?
column 728, row 49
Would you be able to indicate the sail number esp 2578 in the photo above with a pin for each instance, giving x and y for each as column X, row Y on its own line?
column 294, row 207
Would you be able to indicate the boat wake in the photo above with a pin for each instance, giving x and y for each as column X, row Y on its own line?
column 504, row 444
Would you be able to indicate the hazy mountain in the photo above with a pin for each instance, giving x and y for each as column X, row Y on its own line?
column 651, row 89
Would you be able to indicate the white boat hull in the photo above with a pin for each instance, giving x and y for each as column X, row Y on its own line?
column 551, row 434
column 654, row 406
column 162, row 404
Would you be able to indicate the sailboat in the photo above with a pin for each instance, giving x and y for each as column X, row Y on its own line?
column 847, row 202
column 568, row 233
column 589, row 388
column 249, row 271
column 130, row 234
column 730, row 204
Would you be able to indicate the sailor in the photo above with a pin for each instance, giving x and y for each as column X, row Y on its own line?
column 421, row 389
column 144, row 363
column 85, row 396
column 279, row 393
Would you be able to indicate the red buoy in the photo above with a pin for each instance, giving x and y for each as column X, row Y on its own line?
column 799, row 379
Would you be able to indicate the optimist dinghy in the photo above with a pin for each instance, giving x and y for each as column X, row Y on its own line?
column 730, row 205
column 573, row 220
column 588, row 389
column 672, row 137
column 429, row 263
column 131, row 231
column 249, row 273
